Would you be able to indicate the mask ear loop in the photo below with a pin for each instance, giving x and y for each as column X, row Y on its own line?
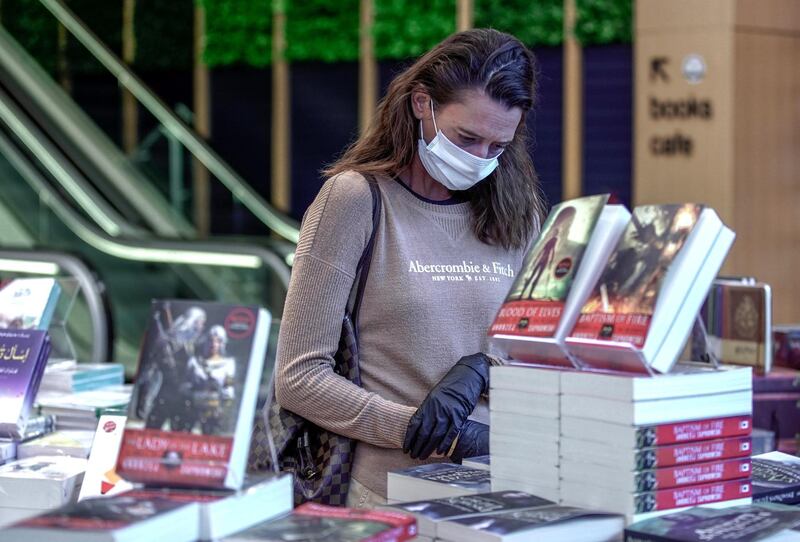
column 433, row 117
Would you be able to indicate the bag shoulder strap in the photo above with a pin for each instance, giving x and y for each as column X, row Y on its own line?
column 362, row 269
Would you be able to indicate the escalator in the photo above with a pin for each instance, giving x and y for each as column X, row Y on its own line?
column 38, row 193
column 141, row 189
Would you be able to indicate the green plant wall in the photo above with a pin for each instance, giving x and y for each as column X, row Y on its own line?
column 239, row 31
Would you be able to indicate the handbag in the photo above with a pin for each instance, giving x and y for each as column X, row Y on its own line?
column 319, row 460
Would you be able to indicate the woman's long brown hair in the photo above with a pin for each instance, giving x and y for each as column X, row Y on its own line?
column 507, row 204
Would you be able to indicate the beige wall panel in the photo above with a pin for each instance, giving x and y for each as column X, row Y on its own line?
column 767, row 166
column 773, row 16
column 705, row 174
column 667, row 15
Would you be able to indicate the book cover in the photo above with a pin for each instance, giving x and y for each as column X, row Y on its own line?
column 482, row 462
column 738, row 317
column 107, row 514
column 311, row 522
column 468, row 505
column 40, row 482
column 23, row 357
column 623, row 301
column 101, row 474
column 447, row 473
column 535, row 520
column 193, row 403
column 738, row 523
column 28, row 303
column 786, row 340
column 534, row 305
column 776, row 478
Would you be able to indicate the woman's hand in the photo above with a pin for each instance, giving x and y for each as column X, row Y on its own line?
column 472, row 441
column 442, row 414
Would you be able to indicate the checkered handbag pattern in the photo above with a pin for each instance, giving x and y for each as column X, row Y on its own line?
column 320, row 460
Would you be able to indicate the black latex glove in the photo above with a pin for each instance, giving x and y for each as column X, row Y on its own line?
column 441, row 415
column 473, row 440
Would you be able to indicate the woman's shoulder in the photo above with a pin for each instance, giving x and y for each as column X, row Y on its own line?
column 349, row 189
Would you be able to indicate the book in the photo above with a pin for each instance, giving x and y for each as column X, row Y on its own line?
column 526, row 378
column 128, row 516
column 637, row 481
column 520, row 402
column 8, row 451
column 763, row 521
column 224, row 512
column 82, row 376
column 647, row 436
column 436, row 480
column 778, row 380
column 630, row 504
column 658, row 411
column 555, row 279
column 310, row 522
column 73, row 443
column 524, row 426
column 28, row 303
column 738, row 319
column 482, row 462
column 430, row 513
column 193, row 404
column 101, row 474
column 642, row 308
column 687, row 379
column 23, row 356
column 776, row 478
column 563, row 523
column 636, row 459
column 82, row 410
column 786, row 345
column 503, row 484
column 41, row 482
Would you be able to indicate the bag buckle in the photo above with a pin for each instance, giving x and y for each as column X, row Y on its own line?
column 307, row 468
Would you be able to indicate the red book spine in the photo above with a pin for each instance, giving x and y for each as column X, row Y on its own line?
column 674, row 433
column 690, row 475
column 694, row 452
column 528, row 318
column 175, row 458
column 667, row 499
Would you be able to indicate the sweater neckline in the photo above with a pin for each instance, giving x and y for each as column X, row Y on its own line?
column 451, row 206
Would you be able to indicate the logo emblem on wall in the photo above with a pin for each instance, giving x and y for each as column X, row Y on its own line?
column 694, row 68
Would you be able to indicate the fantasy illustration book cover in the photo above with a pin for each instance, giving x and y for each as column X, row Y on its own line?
column 623, row 301
column 198, row 377
column 535, row 303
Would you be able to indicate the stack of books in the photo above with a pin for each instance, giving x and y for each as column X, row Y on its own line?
column 34, row 485
column 316, row 522
column 776, row 478
column 508, row 515
column 28, row 303
column 185, row 437
column 431, row 513
column 82, row 410
column 638, row 445
column 69, row 376
column 525, row 412
column 73, row 443
column 435, row 481
column 765, row 522
column 35, row 427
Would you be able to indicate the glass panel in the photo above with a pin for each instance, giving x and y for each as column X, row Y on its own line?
column 169, row 160
column 130, row 282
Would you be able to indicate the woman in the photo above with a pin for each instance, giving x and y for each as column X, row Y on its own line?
column 461, row 202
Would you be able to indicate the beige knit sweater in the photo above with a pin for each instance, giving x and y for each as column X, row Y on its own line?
column 432, row 291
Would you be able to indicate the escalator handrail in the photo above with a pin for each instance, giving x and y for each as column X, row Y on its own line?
column 82, row 193
column 156, row 250
column 90, row 289
column 89, row 141
column 241, row 190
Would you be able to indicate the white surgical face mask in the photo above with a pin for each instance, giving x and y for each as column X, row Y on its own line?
column 451, row 165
